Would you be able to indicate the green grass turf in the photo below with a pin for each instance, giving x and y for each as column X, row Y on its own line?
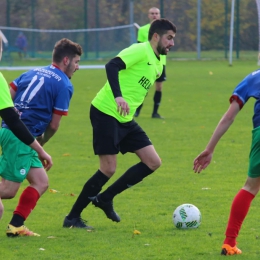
column 195, row 96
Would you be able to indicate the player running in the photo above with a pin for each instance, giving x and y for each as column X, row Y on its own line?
column 41, row 97
column 130, row 76
column 249, row 87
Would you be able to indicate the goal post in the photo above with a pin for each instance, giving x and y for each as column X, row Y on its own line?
column 5, row 41
column 97, row 43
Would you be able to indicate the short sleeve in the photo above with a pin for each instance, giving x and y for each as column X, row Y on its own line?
column 133, row 54
column 61, row 106
column 240, row 93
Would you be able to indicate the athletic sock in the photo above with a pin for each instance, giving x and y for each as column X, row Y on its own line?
column 139, row 109
column 27, row 203
column 131, row 177
column 17, row 220
column 238, row 212
column 91, row 188
column 157, row 99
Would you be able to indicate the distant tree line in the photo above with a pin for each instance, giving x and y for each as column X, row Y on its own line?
column 76, row 14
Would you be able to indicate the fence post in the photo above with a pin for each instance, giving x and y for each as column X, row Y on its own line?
column 85, row 26
column 161, row 8
column 97, row 26
column 8, row 18
column 33, row 26
column 198, row 28
column 237, row 29
column 131, row 21
column 226, row 29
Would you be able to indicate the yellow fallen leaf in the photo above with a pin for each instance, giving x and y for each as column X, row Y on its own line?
column 66, row 154
column 42, row 249
column 210, row 73
column 53, row 191
column 137, row 232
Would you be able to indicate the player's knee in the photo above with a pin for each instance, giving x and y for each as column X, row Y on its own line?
column 155, row 163
column 108, row 171
column 8, row 195
column 43, row 187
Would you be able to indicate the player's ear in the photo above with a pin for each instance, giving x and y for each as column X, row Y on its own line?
column 156, row 36
column 66, row 61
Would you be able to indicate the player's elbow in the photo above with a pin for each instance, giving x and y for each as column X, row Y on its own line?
column 54, row 126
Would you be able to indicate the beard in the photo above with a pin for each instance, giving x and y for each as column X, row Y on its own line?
column 69, row 70
column 161, row 50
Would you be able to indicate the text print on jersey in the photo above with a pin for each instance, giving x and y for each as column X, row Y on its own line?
column 145, row 83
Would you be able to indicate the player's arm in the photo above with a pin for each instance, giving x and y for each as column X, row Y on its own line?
column 204, row 159
column 12, row 92
column 140, row 35
column 11, row 118
column 112, row 69
column 51, row 129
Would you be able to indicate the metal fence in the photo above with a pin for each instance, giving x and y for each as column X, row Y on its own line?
column 41, row 21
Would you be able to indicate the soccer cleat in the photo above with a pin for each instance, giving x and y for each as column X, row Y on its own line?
column 156, row 115
column 229, row 250
column 12, row 231
column 107, row 207
column 76, row 223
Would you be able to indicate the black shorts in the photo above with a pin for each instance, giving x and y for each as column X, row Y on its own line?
column 112, row 137
column 163, row 75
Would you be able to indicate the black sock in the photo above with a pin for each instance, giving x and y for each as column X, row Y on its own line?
column 157, row 99
column 139, row 109
column 131, row 177
column 17, row 220
column 91, row 188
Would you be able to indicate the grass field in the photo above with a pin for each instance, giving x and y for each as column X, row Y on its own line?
column 195, row 96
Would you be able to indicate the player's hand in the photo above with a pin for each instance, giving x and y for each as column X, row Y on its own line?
column 202, row 161
column 45, row 159
column 122, row 106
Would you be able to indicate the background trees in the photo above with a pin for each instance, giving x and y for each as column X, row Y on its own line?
column 63, row 14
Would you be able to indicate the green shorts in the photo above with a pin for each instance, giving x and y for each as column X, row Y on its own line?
column 17, row 158
column 254, row 157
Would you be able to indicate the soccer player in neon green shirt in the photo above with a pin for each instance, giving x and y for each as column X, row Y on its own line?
column 153, row 14
column 129, row 77
column 9, row 115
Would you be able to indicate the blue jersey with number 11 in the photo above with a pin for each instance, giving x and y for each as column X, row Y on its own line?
column 249, row 87
column 40, row 93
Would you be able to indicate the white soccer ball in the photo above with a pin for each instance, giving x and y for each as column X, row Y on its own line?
column 186, row 216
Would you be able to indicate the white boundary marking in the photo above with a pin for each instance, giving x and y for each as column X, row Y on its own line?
column 34, row 67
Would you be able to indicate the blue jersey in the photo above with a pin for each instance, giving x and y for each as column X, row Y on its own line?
column 40, row 93
column 249, row 87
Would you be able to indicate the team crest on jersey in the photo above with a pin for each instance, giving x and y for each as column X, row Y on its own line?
column 22, row 171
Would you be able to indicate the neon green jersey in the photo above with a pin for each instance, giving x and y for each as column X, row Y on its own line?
column 142, row 36
column 5, row 96
column 142, row 69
